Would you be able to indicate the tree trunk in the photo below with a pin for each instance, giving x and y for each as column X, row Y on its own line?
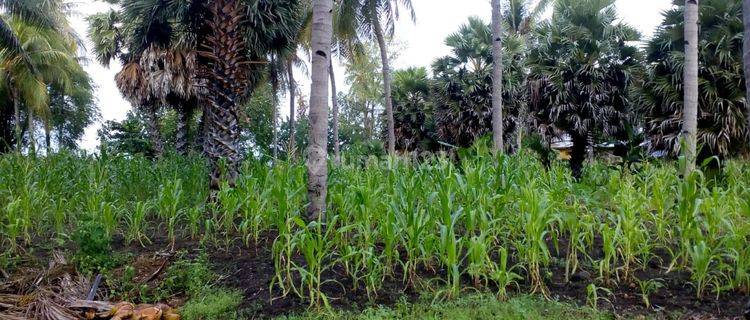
column 578, row 154
column 32, row 142
column 746, row 58
column 497, row 79
column 48, row 137
column 520, row 127
column 690, row 113
column 184, row 116
column 365, row 120
column 372, row 121
column 317, row 150
column 386, row 86
column 227, row 72
column 292, row 124
column 335, row 106
column 275, row 120
column 152, row 127
column 17, row 117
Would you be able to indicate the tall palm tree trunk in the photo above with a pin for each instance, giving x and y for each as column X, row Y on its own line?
column 690, row 112
column 292, row 124
column 152, row 128
column 497, row 78
column 32, row 141
column 578, row 154
column 386, row 86
column 317, row 151
column 275, row 120
column 184, row 116
column 366, row 120
column 227, row 74
column 17, row 117
column 47, row 137
column 746, row 56
column 335, row 105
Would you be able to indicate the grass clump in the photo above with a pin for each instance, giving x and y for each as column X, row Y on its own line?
column 469, row 307
column 213, row 305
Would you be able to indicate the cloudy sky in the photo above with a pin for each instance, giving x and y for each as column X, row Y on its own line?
column 422, row 42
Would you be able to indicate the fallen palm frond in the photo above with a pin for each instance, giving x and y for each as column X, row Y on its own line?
column 59, row 293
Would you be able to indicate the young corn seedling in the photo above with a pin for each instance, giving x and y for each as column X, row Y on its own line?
column 702, row 262
column 503, row 276
column 609, row 247
column 136, row 223
column 480, row 264
column 168, row 206
column 647, row 288
column 593, row 295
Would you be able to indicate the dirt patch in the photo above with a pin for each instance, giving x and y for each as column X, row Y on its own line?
column 250, row 269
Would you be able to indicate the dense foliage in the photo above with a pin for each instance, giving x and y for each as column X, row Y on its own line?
column 41, row 78
column 722, row 124
column 582, row 70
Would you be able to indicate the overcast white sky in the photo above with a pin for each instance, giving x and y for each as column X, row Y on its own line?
column 423, row 42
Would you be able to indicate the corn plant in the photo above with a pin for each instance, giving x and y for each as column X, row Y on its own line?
column 593, row 295
column 533, row 247
column 648, row 287
column 137, row 222
column 504, row 276
column 314, row 241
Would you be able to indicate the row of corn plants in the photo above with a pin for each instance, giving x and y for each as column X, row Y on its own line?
column 481, row 223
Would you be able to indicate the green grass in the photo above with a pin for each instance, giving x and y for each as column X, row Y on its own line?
column 468, row 308
column 213, row 305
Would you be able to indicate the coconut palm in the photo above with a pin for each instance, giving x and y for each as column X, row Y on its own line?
column 722, row 115
column 49, row 14
column 690, row 84
column 497, row 78
column 582, row 69
column 375, row 19
column 746, row 53
column 46, row 58
column 317, row 150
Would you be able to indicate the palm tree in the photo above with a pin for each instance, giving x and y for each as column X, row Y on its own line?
column 47, row 14
column 46, row 58
column 521, row 17
column 722, row 112
column 690, row 114
column 226, row 69
column 171, row 81
column 317, row 151
column 335, row 105
column 463, row 84
column 30, row 25
column 497, row 78
column 165, row 74
column 365, row 85
column 746, row 54
column 133, row 84
column 376, row 19
column 582, row 69
column 414, row 123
